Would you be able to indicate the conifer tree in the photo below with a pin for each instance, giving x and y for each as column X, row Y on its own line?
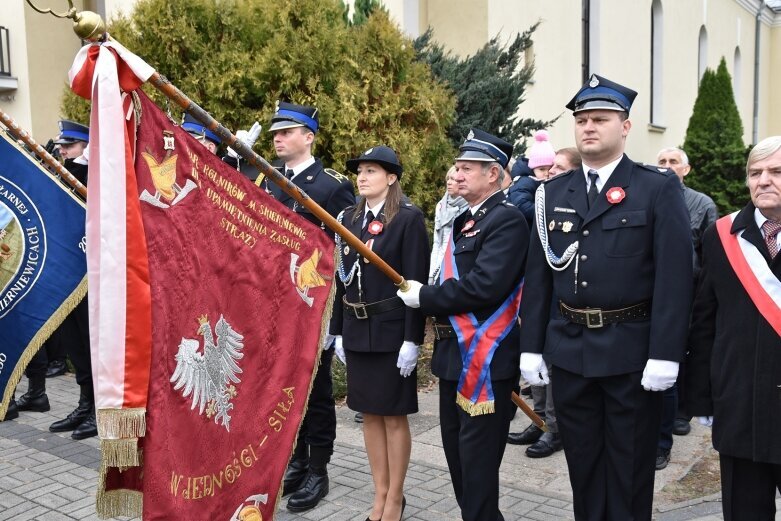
column 489, row 86
column 236, row 58
column 714, row 142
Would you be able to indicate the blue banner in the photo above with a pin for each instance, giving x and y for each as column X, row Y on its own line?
column 43, row 266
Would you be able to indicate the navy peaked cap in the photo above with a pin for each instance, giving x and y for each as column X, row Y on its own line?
column 71, row 132
column 601, row 93
column 288, row 115
column 482, row 146
column 198, row 129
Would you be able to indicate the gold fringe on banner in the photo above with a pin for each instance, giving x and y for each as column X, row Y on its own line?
column 116, row 503
column 121, row 423
column 120, row 453
column 475, row 409
column 43, row 334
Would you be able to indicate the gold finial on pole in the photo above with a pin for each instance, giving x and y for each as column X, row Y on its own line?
column 86, row 24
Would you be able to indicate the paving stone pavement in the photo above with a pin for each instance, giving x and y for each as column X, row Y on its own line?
column 46, row 476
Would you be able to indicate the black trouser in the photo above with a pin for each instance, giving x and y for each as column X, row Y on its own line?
column 319, row 426
column 37, row 366
column 748, row 489
column 609, row 427
column 74, row 333
column 474, row 447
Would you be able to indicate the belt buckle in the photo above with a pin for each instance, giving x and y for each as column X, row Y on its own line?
column 360, row 311
column 593, row 313
column 436, row 332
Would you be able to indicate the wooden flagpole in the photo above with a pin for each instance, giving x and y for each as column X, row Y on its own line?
column 20, row 133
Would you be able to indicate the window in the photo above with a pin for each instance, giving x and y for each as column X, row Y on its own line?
column 702, row 57
column 657, row 33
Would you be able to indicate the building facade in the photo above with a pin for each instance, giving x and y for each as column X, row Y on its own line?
column 658, row 47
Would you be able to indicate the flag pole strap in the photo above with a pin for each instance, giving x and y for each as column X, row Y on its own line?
column 90, row 26
column 21, row 134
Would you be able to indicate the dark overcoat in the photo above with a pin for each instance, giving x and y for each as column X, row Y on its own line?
column 734, row 363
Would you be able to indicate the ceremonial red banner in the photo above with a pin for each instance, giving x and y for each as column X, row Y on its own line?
column 240, row 286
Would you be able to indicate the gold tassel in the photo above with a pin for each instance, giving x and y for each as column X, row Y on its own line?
column 475, row 409
column 120, row 453
column 121, row 423
column 41, row 336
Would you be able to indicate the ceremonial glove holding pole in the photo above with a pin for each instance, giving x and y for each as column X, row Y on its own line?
column 659, row 375
column 411, row 297
column 408, row 358
column 339, row 349
column 248, row 137
column 328, row 342
column 533, row 369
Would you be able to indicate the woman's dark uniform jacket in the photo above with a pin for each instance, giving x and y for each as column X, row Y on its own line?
column 491, row 263
column 734, row 362
column 403, row 244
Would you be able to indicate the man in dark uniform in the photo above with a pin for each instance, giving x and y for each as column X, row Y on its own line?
column 476, row 308
column 612, row 246
column 734, row 364
column 294, row 128
column 74, row 331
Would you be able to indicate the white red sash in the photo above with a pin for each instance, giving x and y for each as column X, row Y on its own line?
column 759, row 281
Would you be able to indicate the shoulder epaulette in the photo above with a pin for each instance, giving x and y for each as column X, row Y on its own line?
column 336, row 175
column 653, row 168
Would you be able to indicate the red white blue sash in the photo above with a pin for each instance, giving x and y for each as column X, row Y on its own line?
column 478, row 342
column 751, row 268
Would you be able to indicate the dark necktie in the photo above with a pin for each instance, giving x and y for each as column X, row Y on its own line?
column 369, row 218
column 289, row 173
column 771, row 229
column 593, row 191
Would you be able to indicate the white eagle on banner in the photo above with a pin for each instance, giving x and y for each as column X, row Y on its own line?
column 210, row 376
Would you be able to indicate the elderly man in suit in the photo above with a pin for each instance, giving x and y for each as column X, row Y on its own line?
column 734, row 362
column 611, row 254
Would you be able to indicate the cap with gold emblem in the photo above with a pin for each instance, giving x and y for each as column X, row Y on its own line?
column 289, row 115
column 602, row 94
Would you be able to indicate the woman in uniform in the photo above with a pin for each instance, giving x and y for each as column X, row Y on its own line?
column 377, row 337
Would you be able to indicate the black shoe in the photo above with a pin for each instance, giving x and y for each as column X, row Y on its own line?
column 307, row 497
column 548, row 443
column 295, row 475
column 12, row 412
column 34, row 400
column 358, row 417
column 56, row 368
column 681, row 427
column 87, row 429
column 529, row 435
column 662, row 458
column 78, row 415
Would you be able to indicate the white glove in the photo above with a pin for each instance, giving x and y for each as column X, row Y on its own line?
column 339, row 349
column 533, row 369
column 659, row 375
column 248, row 137
column 705, row 420
column 411, row 297
column 328, row 342
column 408, row 358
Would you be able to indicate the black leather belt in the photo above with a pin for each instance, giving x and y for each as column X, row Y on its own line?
column 442, row 331
column 362, row 310
column 595, row 318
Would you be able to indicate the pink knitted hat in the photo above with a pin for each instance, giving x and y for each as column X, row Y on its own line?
column 541, row 152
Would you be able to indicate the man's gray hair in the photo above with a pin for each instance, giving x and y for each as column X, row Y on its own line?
column 487, row 167
column 764, row 149
column 684, row 157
